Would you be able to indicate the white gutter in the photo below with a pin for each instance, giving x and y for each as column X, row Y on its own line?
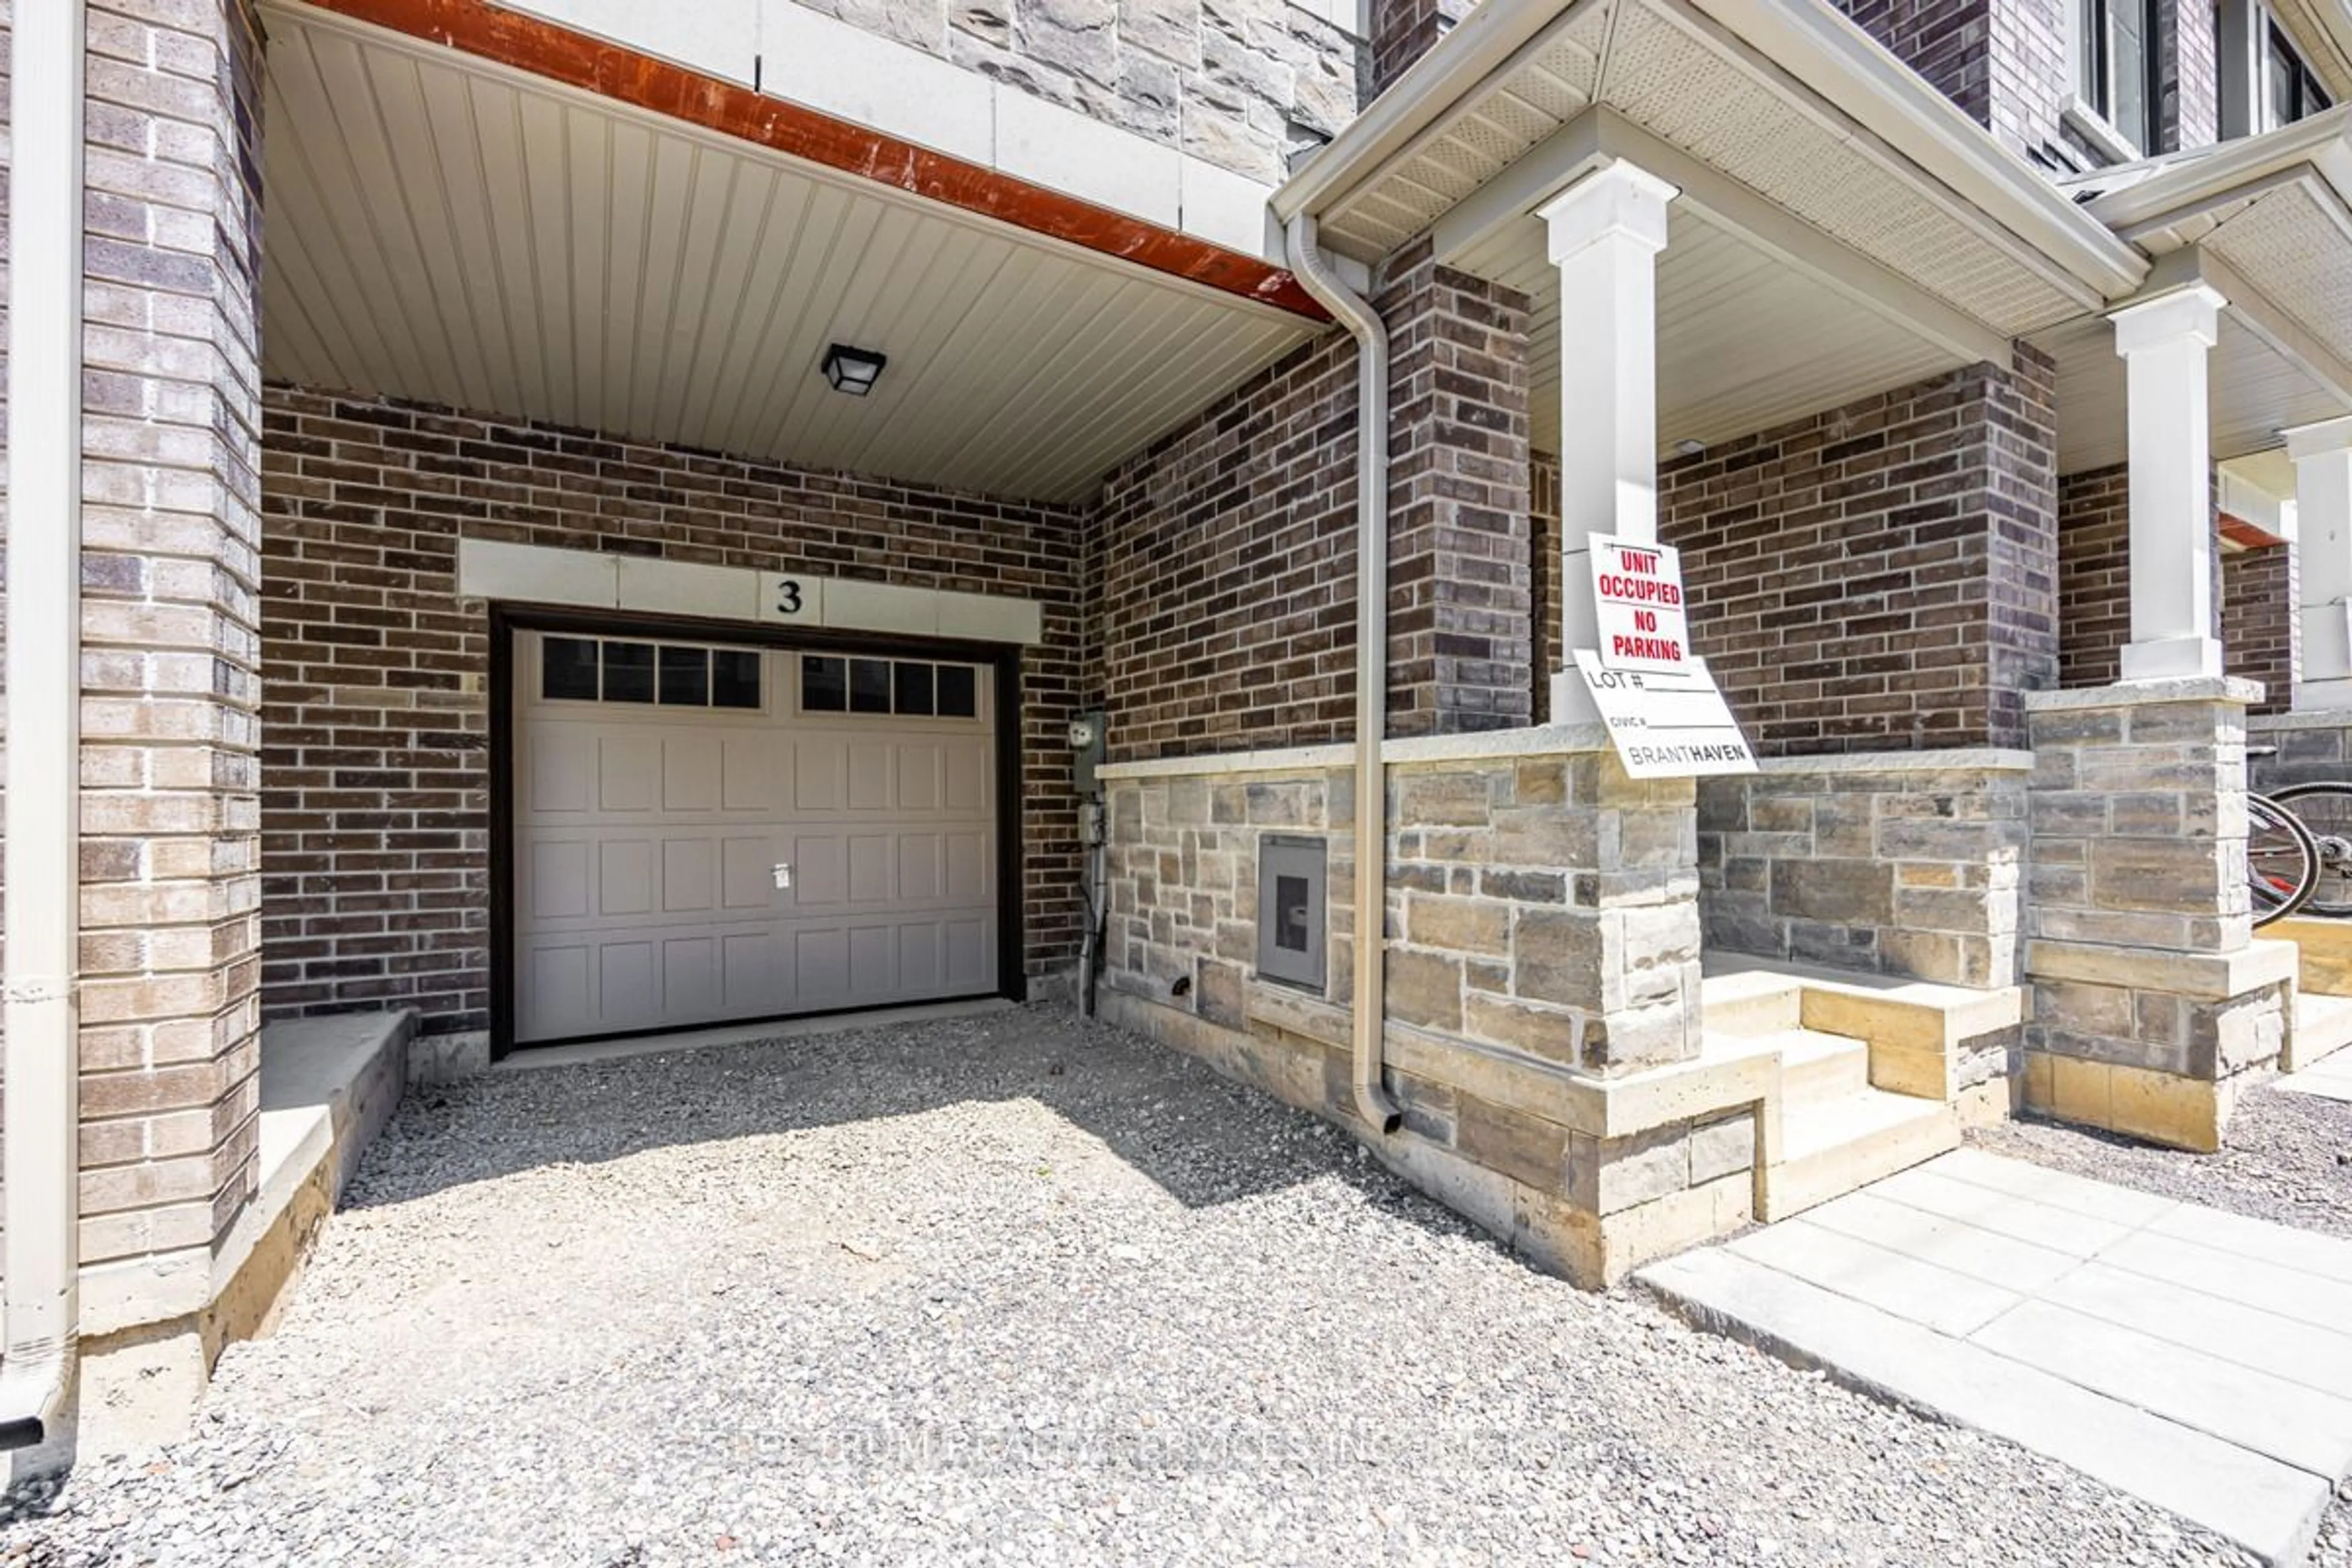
column 42, row 1049
column 1809, row 43
column 1353, row 311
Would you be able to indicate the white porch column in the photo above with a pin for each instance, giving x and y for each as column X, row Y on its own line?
column 1606, row 231
column 2322, row 546
column 2164, row 343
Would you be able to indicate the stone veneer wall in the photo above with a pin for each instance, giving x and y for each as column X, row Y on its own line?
column 1543, row 943
column 1238, row 83
column 1888, row 867
column 375, row 821
column 2152, row 1007
column 2314, row 747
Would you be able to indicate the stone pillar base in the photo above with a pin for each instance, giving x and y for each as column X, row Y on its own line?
column 2152, row 1006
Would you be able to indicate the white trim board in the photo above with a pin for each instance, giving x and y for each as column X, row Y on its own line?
column 587, row 579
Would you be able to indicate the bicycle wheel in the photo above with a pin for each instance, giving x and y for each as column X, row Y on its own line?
column 2281, row 859
column 2325, row 811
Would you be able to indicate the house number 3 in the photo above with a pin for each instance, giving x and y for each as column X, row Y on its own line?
column 788, row 597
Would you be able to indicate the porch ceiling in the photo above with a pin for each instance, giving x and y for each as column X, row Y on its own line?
column 1745, row 342
column 2254, row 392
column 444, row 230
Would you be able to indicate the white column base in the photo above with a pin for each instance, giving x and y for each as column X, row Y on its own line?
column 1571, row 702
column 2171, row 659
column 2319, row 696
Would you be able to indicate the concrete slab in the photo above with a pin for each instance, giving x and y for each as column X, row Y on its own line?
column 2197, row 1359
column 2330, row 1077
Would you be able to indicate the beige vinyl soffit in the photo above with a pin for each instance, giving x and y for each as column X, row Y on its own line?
column 585, row 579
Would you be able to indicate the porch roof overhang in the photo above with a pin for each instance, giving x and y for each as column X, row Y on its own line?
column 447, row 228
column 1842, row 227
column 2266, row 221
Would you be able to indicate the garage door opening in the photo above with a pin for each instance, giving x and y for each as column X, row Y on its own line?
column 702, row 830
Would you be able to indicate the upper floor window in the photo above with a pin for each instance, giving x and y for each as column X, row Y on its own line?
column 2290, row 89
column 2114, row 45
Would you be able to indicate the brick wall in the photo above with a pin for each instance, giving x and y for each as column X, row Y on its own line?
column 2188, row 74
column 1460, row 642
column 1404, row 30
column 171, row 661
column 2095, row 576
column 1222, row 587
column 2260, row 628
column 375, row 829
column 1879, row 577
column 1947, row 41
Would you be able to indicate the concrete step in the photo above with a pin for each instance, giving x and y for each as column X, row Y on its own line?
column 2323, row 1025
column 1747, row 1002
column 1830, row 1148
column 1817, row 1068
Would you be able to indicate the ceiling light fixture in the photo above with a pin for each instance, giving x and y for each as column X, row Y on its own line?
column 853, row 370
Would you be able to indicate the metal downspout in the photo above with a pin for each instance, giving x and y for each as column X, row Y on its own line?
column 42, row 1105
column 1356, row 314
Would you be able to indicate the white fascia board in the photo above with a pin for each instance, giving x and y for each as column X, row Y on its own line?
column 2175, row 187
column 1228, row 209
column 1599, row 135
column 1087, row 158
column 1813, row 47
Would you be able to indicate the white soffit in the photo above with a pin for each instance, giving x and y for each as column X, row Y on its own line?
column 2255, row 391
column 1745, row 342
column 444, row 230
column 1684, row 81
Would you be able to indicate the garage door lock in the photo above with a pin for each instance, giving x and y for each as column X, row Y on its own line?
column 783, row 873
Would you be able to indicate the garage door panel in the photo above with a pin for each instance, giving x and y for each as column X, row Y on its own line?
column 626, row 772
column 558, row 879
column 690, row 769
column 964, row 779
column 969, row 869
column 919, row 873
column 563, row 773
column 869, row 776
column 818, row 772
column 646, row 837
column 870, row 878
column 689, row 875
column 748, row 874
column 625, row 876
column 748, row 773
column 820, row 870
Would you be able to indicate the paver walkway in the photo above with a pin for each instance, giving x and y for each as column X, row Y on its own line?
column 2330, row 1076
column 2198, row 1359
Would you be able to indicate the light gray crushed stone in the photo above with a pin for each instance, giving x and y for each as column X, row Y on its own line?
column 1001, row 1289
column 2288, row 1160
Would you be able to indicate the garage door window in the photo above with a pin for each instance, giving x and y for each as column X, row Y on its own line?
column 909, row 689
column 669, row 674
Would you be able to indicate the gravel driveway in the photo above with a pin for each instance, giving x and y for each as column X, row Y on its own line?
column 999, row 1289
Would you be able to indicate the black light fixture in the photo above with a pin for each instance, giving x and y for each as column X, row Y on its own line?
column 853, row 370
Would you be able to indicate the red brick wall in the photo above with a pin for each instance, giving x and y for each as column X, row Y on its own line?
column 2259, row 629
column 1879, row 577
column 375, row 816
column 1223, row 586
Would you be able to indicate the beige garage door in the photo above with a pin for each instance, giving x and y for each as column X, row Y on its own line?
column 705, row 834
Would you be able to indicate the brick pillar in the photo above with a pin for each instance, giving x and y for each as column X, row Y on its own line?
column 1460, row 637
column 1404, row 30
column 2261, row 632
column 171, row 573
column 2152, row 1005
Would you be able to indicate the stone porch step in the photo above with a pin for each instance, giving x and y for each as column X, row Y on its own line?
column 1830, row 1148
column 1815, row 1067
column 2323, row 1026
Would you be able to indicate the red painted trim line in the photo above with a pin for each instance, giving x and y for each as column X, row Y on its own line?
column 2253, row 536
column 543, row 48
